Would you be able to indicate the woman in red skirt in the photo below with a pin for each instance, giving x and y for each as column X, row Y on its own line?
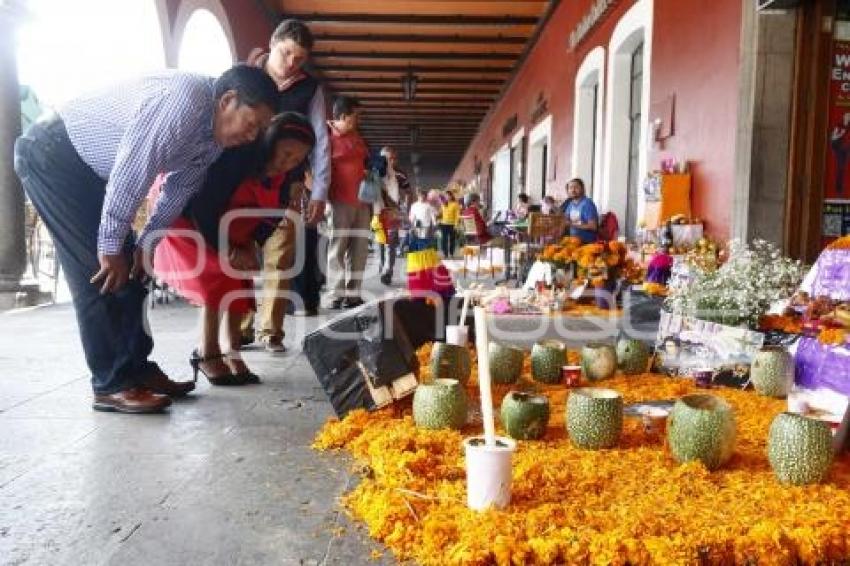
column 208, row 255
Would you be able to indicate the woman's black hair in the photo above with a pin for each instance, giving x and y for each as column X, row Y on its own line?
column 344, row 106
column 523, row 198
column 284, row 126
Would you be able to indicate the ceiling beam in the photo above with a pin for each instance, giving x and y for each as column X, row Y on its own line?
column 496, row 38
column 454, row 20
column 425, row 55
column 420, row 89
column 379, row 28
column 425, row 127
column 394, row 115
column 417, row 69
column 474, row 98
column 422, row 127
column 422, row 73
column 465, row 136
column 424, row 81
column 376, row 100
column 453, row 110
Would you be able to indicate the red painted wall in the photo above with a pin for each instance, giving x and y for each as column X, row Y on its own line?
column 251, row 26
column 696, row 53
column 696, row 45
column 550, row 68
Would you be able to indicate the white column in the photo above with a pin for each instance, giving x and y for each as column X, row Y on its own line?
column 12, row 238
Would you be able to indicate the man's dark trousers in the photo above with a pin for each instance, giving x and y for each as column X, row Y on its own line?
column 69, row 197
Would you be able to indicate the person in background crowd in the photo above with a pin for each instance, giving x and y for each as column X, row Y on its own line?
column 388, row 215
column 406, row 193
column 289, row 50
column 549, row 206
column 581, row 213
column 87, row 171
column 521, row 208
column 349, row 217
column 473, row 210
column 449, row 217
column 223, row 298
column 422, row 217
column 425, row 271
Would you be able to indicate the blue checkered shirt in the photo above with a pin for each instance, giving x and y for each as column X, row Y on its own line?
column 160, row 123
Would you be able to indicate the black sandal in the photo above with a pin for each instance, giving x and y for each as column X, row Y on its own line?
column 225, row 379
column 248, row 377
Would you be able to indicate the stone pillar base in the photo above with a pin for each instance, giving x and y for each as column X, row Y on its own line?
column 26, row 295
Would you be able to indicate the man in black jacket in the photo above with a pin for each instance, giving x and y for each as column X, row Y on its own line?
column 289, row 49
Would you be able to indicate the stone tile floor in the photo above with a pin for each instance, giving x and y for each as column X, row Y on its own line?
column 226, row 477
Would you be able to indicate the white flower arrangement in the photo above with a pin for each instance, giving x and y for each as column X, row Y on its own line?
column 742, row 289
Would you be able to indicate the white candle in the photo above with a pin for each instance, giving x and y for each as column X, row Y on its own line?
column 465, row 308
column 481, row 345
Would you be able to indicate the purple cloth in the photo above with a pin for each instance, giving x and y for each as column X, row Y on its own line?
column 832, row 275
column 818, row 365
column 659, row 269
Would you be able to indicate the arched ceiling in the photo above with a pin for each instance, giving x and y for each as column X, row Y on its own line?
column 462, row 53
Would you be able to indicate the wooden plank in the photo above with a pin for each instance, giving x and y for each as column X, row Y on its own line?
column 439, row 115
column 343, row 40
column 421, row 28
column 493, row 10
column 396, row 94
column 425, row 81
column 403, row 66
column 377, row 52
column 410, row 45
column 395, row 88
column 392, row 115
column 424, row 126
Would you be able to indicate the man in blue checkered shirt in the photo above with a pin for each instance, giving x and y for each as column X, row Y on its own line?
column 87, row 171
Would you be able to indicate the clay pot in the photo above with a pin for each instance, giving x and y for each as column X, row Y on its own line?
column 440, row 404
column 598, row 361
column 702, row 427
column 632, row 356
column 449, row 361
column 772, row 371
column 525, row 416
column 505, row 362
column 547, row 359
column 799, row 449
column 594, row 417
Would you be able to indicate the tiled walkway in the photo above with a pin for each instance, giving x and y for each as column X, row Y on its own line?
column 226, row 477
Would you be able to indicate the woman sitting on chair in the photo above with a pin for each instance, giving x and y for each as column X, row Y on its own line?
column 249, row 179
column 473, row 210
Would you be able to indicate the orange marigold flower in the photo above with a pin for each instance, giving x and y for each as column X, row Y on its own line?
column 632, row 504
column 832, row 336
column 655, row 289
column 842, row 243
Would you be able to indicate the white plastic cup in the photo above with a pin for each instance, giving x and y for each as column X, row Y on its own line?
column 457, row 335
column 488, row 472
column 798, row 403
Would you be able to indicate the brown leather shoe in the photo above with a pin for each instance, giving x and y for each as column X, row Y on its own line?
column 158, row 382
column 134, row 400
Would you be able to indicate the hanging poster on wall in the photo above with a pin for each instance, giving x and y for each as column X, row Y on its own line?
column 838, row 154
column 836, row 207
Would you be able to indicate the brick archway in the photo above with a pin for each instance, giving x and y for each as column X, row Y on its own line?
column 175, row 14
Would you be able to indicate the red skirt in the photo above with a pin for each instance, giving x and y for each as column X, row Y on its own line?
column 194, row 270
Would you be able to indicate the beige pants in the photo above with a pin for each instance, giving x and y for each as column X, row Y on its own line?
column 348, row 251
column 278, row 257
